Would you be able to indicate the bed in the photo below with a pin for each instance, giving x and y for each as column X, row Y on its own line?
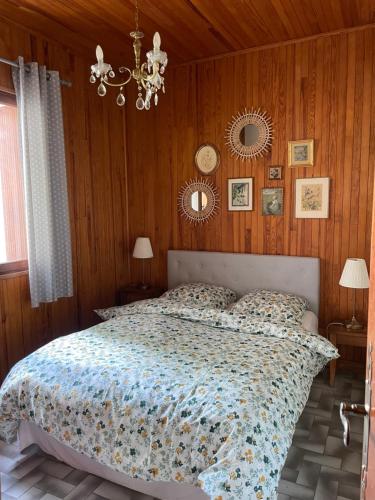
column 175, row 401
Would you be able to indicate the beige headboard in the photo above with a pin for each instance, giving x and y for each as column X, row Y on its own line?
column 242, row 272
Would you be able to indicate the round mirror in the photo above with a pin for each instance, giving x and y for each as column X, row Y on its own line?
column 249, row 135
column 198, row 201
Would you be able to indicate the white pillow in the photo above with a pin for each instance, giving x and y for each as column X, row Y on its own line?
column 310, row 322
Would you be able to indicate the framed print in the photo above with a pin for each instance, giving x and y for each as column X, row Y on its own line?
column 301, row 153
column 207, row 159
column 240, row 194
column 312, row 198
column 275, row 172
column 272, row 201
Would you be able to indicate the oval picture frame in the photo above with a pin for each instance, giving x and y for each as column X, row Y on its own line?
column 185, row 196
column 203, row 166
column 263, row 143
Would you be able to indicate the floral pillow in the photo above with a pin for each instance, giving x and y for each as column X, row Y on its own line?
column 202, row 295
column 117, row 311
column 269, row 305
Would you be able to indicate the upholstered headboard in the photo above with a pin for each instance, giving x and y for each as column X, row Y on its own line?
column 243, row 271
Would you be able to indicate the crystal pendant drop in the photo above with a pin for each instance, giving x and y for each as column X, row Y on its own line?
column 120, row 99
column 92, row 79
column 139, row 103
column 102, row 90
column 147, row 104
column 162, row 70
column 156, row 98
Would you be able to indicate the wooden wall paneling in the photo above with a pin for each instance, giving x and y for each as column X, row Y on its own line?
column 321, row 89
column 365, row 127
column 119, row 185
column 227, row 222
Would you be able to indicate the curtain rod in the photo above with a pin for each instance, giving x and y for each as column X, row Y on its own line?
column 15, row 65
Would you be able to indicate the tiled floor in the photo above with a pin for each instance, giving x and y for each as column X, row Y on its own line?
column 318, row 466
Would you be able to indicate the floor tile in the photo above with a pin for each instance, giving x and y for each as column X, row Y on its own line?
column 32, row 494
column 24, row 484
column 55, row 469
column 309, row 475
column 113, row 491
column 85, row 488
column 27, row 466
column 296, row 490
column 54, row 486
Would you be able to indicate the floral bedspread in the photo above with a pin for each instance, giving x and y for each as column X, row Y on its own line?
column 173, row 393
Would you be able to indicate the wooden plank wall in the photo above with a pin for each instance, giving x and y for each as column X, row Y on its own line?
column 323, row 89
column 96, row 162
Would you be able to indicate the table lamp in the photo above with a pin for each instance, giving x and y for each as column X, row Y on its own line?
column 143, row 250
column 354, row 275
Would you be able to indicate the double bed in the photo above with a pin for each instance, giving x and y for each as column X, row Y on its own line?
column 176, row 401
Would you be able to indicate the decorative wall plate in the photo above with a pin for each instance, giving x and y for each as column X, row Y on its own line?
column 249, row 134
column 198, row 200
column 207, row 159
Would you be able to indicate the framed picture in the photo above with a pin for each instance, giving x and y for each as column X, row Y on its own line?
column 272, row 201
column 240, row 194
column 301, row 153
column 207, row 159
column 275, row 172
column 312, row 198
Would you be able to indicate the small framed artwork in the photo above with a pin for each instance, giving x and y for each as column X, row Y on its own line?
column 312, row 198
column 240, row 194
column 272, row 201
column 275, row 172
column 301, row 153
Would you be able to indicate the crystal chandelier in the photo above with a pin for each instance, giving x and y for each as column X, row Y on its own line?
column 147, row 75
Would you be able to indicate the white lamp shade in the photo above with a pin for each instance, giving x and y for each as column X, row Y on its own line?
column 142, row 248
column 354, row 274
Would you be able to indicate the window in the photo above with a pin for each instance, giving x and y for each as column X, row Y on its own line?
column 13, row 248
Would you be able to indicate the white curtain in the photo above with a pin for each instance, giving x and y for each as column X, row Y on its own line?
column 43, row 156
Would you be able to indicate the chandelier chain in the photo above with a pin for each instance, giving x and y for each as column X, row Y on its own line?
column 136, row 16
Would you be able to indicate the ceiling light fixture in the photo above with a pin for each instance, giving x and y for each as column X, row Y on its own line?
column 147, row 75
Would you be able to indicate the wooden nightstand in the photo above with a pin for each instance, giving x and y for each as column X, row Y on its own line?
column 131, row 293
column 339, row 335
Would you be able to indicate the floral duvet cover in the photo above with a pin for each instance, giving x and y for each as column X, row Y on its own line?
column 173, row 393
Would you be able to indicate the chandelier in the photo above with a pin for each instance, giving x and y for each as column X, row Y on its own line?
column 148, row 75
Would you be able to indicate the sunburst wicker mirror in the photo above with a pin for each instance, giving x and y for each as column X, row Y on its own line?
column 198, row 201
column 249, row 134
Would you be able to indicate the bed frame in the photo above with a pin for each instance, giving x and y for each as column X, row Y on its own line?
column 244, row 271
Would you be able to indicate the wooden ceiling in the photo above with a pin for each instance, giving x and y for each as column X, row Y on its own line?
column 190, row 29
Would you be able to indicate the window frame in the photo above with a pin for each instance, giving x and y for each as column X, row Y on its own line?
column 17, row 266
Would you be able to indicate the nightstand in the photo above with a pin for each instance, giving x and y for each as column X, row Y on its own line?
column 339, row 335
column 131, row 293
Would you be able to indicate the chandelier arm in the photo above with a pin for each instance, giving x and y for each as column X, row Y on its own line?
column 142, row 82
column 117, row 84
column 155, row 71
column 106, row 82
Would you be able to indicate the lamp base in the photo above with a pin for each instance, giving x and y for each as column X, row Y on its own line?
column 354, row 324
